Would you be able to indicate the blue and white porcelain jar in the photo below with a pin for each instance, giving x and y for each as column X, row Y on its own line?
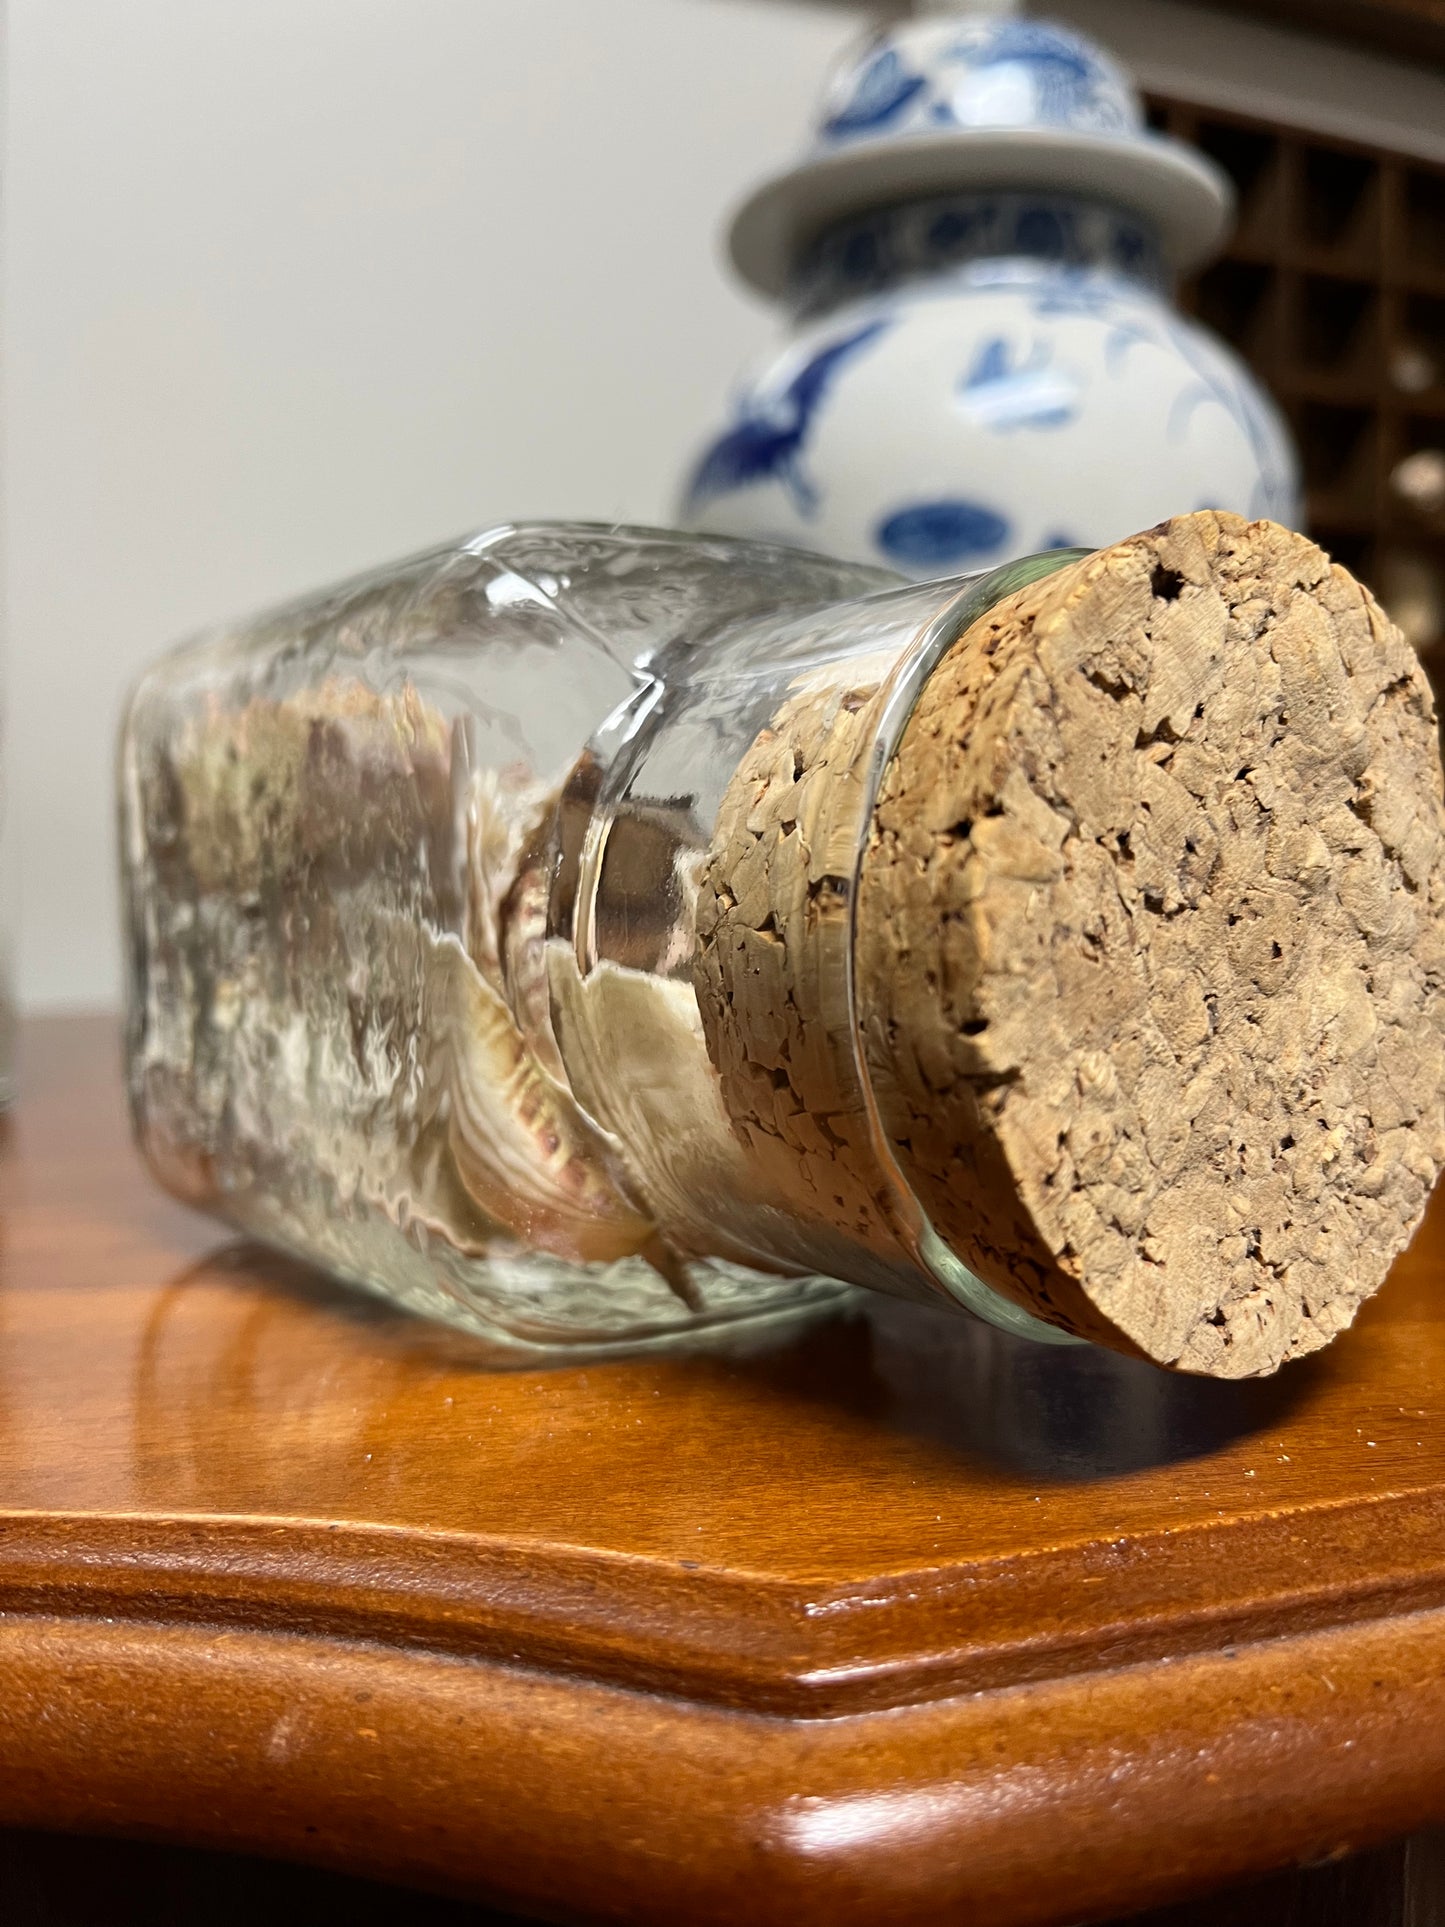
column 984, row 360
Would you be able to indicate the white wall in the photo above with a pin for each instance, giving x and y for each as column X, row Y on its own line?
column 293, row 286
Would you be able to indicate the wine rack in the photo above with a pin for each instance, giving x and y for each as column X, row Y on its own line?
column 1333, row 289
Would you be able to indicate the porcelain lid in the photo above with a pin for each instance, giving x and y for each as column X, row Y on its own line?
column 979, row 102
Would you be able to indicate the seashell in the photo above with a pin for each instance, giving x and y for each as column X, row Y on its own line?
column 523, row 1147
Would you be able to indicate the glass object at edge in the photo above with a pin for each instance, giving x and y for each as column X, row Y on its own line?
column 411, row 871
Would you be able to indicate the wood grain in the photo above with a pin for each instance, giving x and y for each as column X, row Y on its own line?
column 283, row 1571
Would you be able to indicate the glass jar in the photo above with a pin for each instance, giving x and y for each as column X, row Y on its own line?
column 590, row 935
column 425, row 879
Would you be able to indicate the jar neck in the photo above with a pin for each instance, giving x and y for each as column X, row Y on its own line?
column 708, row 850
column 966, row 235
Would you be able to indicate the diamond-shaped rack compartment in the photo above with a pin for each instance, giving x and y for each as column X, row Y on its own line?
column 1333, row 290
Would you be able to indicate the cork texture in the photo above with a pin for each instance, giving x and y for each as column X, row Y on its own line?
column 1150, row 955
column 773, row 925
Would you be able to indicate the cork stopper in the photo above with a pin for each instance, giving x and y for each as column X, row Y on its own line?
column 1149, row 947
column 1147, row 950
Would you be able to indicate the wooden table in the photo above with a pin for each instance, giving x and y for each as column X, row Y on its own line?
column 895, row 1619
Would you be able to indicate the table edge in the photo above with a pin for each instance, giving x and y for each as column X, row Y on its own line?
column 736, row 1639
column 577, row 1800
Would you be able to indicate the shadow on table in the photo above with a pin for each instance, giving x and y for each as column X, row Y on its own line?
column 1061, row 1414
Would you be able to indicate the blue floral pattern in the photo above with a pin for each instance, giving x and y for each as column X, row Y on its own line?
column 1059, row 352
column 978, row 374
column 766, row 443
column 1214, row 380
column 980, row 74
column 1073, row 86
column 888, row 246
column 1004, row 389
column 882, row 90
column 932, row 538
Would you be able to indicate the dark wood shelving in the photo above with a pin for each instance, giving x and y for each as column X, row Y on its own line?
column 1412, row 29
column 1333, row 290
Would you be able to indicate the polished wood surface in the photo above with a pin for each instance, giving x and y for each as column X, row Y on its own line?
column 866, row 1622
